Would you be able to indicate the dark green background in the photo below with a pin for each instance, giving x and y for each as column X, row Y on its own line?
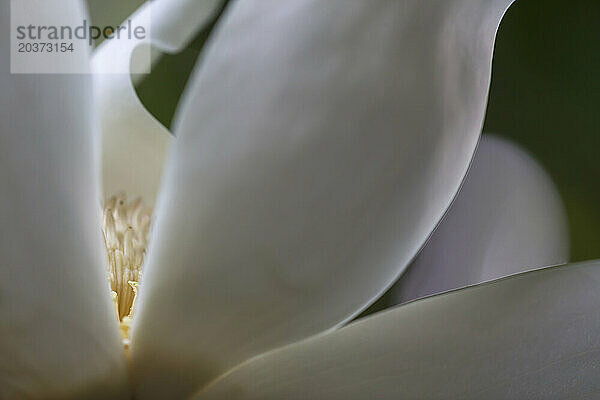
column 545, row 95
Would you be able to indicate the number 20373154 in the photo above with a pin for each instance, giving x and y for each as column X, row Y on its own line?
column 45, row 47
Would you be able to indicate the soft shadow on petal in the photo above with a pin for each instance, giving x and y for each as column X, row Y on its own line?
column 318, row 146
column 58, row 333
column 134, row 144
column 529, row 336
column 507, row 218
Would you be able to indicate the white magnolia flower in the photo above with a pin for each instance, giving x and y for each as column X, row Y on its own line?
column 317, row 147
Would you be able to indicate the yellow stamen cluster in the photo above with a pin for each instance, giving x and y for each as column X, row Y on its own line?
column 126, row 228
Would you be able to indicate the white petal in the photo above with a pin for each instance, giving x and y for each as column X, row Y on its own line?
column 319, row 145
column 58, row 332
column 507, row 218
column 530, row 336
column 134, row 143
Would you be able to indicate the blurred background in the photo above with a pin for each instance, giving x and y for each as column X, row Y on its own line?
column 545, row 96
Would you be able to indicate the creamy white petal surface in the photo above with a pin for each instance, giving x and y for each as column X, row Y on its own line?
column 318, row 146
column 134, row 143
column 530, row 336
column 58, row 333
column 507, row 218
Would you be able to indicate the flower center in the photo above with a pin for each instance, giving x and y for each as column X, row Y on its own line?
column 126, row 226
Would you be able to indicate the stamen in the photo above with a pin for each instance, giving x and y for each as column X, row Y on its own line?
column 126, row 227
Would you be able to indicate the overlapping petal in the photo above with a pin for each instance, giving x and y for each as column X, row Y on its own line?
column 134, row 144
column 507, row 218
column 58, row 333
column 530, row 336
column 319, row 145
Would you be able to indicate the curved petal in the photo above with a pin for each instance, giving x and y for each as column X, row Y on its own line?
column 58, row 333
column 530, row 336
column 319, row 145
column 134, row 143
column 507, row 218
